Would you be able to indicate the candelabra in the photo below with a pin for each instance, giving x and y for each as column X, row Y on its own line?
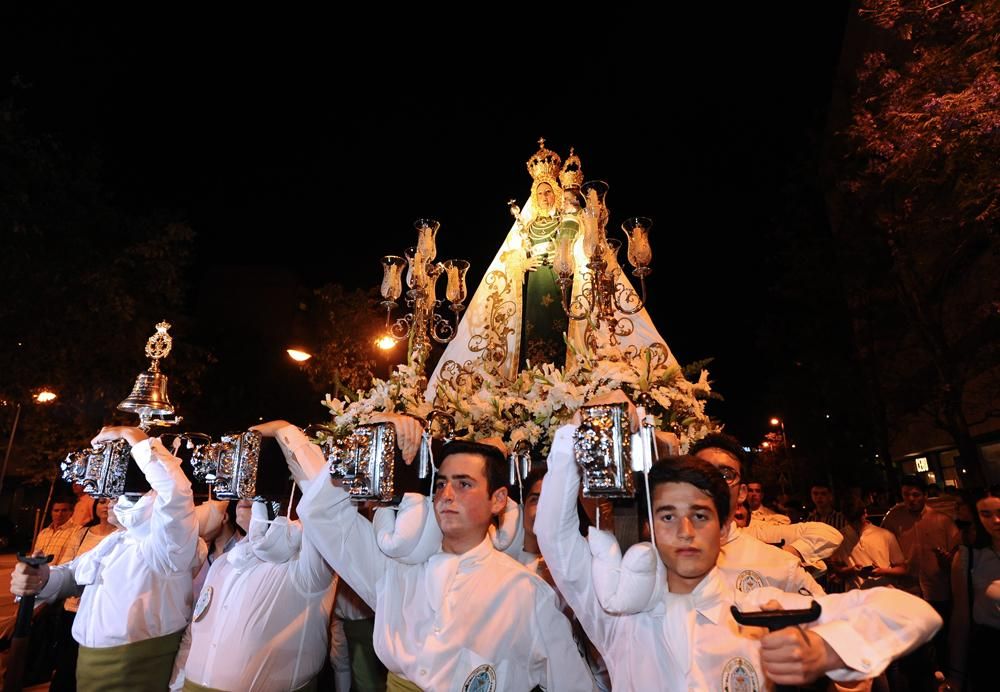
column 605, row 297
column 423, row 323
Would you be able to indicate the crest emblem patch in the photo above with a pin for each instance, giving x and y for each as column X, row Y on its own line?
column 204, row 600
column 482, row 679
column 739, row 676
column 749, row 580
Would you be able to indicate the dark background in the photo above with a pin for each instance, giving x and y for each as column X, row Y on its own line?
column 300, row 148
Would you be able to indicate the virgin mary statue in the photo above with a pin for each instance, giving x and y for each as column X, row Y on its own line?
column 517, row 314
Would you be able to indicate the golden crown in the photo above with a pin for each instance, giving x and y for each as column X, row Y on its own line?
column 544, row 163
column 572, row 172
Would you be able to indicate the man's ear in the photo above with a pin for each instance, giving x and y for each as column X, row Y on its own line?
column 498, row 501
column 743, row 494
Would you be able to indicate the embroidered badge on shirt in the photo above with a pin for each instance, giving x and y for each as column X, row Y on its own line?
column 482, row 679
column 739, row 676
column 748, row 581
column 204, row 600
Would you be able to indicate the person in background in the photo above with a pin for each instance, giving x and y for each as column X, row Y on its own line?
column 975, row 585
column 93, row 532
column 758, row 510
column 821, row 493
column 61, row 537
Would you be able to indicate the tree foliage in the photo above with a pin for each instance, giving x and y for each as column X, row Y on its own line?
column 84, row 282
column 916, row 209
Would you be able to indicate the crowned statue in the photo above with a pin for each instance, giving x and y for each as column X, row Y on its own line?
column 527, row 307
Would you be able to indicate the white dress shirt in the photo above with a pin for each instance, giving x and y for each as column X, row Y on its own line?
column 814, row 540
column 139, row 580
column 875, row 546
column 691, row 641
column 747, row 563
column 766, row 514
column 264, row 628
column 442, row 622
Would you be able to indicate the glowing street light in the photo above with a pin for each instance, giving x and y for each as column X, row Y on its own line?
column 297, row 355
column 780, row 423
column 386, row 342
column 43, row 397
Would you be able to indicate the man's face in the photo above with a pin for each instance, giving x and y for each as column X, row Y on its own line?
column 755, row 495
column 531, row 507
column 729, row 466
column 244, row 511
column 688, row 534
column 914, row 499
column 462, row 502
column 822, row 498
column 61, row 512
column 741, row 516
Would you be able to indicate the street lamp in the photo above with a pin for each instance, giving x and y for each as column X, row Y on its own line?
column 297, row 355
column 43, row 397
column 779, row 423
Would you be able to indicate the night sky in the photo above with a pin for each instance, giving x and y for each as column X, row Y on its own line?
column 300, row 149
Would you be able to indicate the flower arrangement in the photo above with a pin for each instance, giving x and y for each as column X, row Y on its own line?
column 542, row 397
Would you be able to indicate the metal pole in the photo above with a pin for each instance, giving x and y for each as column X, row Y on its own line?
column 10, row 446
column 45, row 512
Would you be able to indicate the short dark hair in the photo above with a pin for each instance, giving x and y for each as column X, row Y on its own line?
column 94, row 519
column 914, row 482
column 855, row 510
column 726, row 443
column 821, row 483
column 496, row 466
column 697, row 472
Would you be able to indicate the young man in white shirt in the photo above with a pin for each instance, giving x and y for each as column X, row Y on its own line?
column 869, row 556
column 468, row 618
column 689, row 638
column 260, row 623
column 748, row 561
column 138, row 600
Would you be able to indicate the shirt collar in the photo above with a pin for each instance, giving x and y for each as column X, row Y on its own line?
column 473, row 558
column 731, row 534
column 708, row 598
column 442, row 568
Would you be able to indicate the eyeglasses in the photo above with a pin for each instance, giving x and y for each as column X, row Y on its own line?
column 731, row 475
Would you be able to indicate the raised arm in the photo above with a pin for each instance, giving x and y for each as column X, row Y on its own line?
column 311, row 573
column 811, row 541
column 566, row 553
column 332, row 526
column 172, row 542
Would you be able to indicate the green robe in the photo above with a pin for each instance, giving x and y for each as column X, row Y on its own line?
column 544, row 320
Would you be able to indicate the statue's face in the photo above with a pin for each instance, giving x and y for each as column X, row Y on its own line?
column 546, row 197
column 570, row 201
